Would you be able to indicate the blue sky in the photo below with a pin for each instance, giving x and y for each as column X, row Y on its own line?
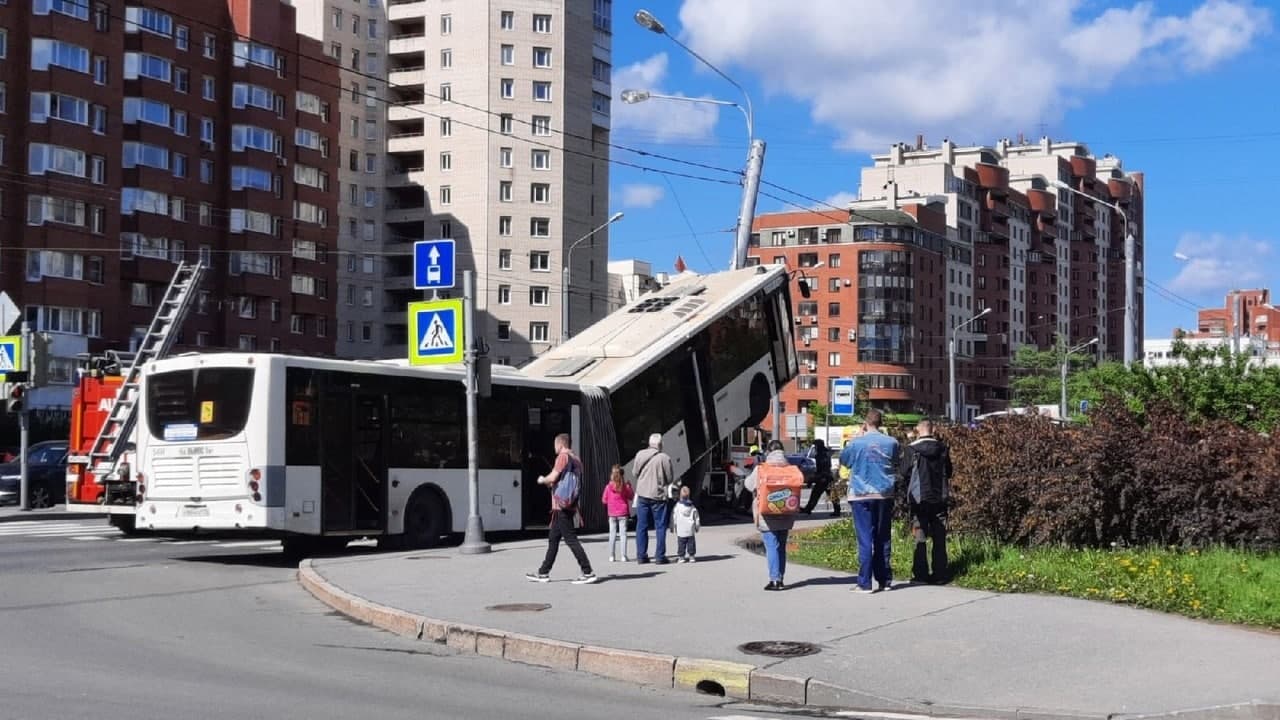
column 1183, row 90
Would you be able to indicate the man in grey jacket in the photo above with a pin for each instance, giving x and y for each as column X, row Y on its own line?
column 653, row 472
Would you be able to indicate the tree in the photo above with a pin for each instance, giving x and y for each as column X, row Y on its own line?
column 1037, row 376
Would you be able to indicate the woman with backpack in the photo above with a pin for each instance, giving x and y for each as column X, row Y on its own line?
column 617, row 502
column 565, row 479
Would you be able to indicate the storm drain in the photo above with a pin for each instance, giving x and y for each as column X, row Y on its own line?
column 519, row 607
column 779, row 648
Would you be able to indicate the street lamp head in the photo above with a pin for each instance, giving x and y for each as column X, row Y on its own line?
column 984, row 312
column 646, row 20
column 616, row 216
column 631, row 97
column 1091, row 342
column 1181, row 256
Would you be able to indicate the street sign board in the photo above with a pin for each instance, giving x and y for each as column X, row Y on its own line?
column 1084, row 406
column 842, row 396
column 11, row 357
column 797, row 425
column 433, row 264
column 436, row 332
column 9, row 314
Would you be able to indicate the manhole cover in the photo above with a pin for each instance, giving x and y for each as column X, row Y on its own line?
column 519, row 607
column 779, row 648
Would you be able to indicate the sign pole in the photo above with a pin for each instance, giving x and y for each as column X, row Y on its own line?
column 24, row 427
column 473, row 543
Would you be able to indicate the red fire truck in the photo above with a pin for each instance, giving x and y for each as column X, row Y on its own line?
column 95, row 394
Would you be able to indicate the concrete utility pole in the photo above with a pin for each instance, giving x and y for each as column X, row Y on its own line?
column 747, row 213
column 951, row 364
column 474, row 543
column 1235, row 324
column 1066, row 365
column 24, row 427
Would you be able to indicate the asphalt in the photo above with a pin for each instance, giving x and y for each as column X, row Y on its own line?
column 97, row 626
column 12, row 513
column 921, row 649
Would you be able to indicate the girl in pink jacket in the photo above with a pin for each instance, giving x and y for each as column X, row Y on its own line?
column 617, row 501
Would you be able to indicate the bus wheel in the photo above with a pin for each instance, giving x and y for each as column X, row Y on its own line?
column 126, row 524
column 424, row 519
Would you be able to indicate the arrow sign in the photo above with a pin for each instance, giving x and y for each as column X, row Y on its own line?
column 433, row 264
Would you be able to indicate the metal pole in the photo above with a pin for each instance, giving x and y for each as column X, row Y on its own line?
column 1235, row 324
column 24, row 427
column 1066, row 358
column 747, row 213
column 1130, row 292
column 951, row 374
column 564, row 298
column 473, row 543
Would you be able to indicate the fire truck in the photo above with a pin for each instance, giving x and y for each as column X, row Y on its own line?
column 104, row 409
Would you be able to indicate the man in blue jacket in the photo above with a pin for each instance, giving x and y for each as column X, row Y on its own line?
column 872, row 460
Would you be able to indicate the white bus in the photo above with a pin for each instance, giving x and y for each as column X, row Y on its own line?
column 317, row 451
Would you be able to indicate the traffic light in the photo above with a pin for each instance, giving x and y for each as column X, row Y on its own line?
column 39, row 359
column 13, row 401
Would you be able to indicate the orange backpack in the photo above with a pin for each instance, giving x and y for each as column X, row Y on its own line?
column 778, row 489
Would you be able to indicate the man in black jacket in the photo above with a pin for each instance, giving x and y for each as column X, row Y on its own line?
column 926, row 468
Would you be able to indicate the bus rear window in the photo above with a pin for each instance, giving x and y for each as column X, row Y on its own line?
column 199, row 404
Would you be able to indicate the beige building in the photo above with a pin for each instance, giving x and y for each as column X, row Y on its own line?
column 629, row 279
column 354, row 35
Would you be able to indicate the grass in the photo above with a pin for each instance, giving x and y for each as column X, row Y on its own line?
column 1219, row 584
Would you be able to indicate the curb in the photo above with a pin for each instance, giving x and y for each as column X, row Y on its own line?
column 34, row 515
column 738, row 681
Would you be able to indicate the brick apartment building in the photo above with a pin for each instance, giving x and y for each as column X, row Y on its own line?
column 133, row 137
column 1046, row 261
column 1248, row 313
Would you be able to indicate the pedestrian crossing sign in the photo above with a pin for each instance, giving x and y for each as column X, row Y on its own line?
column 10, row 355
column 436, row 331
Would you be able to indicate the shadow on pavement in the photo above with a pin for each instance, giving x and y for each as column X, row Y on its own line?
column 628, row 576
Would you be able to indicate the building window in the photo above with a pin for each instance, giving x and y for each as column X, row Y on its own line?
column 297, row 324
column 539, row 296
column 370, row 163
column 505, row 157
column 540, row 193
column 207, row 88
column 508, row 54
column 541, row 160
column 504, row 191
column 77, row 9
column 446, row 24
column 446, row 59
column 504, row 225
column 541, row 125
column 182, row 80
column 504, row 331
column 366, row 332
column 540, row 227
column 833, row 359
column 508, row 20
column 182, row 38
column 337, row 19
column 542, row 57
column 542, row 24
column 373, row 28
column 539, row 332
column 504, row 294
column 540, row 261
column 46, row 53
column 505, row 123
column 833, row 260
column 504, row 259
column 210, row 47
column 446, row 127
column 508, row 88
column 446, row 195
column 541, row 91
column 446, row 161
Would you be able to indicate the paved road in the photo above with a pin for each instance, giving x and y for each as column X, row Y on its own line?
column 95, row 625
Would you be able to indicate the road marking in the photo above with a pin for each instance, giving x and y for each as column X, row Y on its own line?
column 139, row 539
column 87, row 538
column 193, row 542
column 249, row 544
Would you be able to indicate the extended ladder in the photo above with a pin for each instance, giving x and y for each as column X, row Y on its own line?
column 114, row 435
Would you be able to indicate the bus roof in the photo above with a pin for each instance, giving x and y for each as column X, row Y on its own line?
column 624, row 343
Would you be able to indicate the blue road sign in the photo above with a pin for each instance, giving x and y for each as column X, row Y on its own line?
column 433, row 264
column 1084, row 406
column 436, row 327
column 842, row 396
column 11, row 358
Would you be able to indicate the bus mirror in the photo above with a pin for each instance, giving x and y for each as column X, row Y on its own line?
column 484, row 376
column 803, row 284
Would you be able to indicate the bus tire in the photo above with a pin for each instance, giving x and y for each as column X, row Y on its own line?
column 759, row 399
column 425, row 518
column 126, row 524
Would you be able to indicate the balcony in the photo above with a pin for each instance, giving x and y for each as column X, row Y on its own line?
column 399, row 177
column 1084, row 168
column 1036, row 256
column 993, row 177
column 407, row 77
column 408, row 112
column 406, row 9
column 406, row 142
column 1043, row 202
column 407, row 44
column 410, row 214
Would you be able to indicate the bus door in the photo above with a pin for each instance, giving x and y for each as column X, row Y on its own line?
column 353, row 461
column 698, row 399
column 545, row 418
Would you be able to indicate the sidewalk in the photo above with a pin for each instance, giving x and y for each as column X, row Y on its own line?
column 921, row 649
column 11, row 513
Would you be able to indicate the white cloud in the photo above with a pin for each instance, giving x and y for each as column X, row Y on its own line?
column 659, row 120
column 1217, row 263
column 642, row 196
column 840, row 200
column 967, row 70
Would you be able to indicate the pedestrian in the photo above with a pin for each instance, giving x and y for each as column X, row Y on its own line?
column 872, row 460
column 653, row 472
column 774, row 529
column 564, row 480
column 822, row 480
column 617, row 497
column 687, row 524
column 926, row 471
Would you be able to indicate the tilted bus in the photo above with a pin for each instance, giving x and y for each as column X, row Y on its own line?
column 318, row 451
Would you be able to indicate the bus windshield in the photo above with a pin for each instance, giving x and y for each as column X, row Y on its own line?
column 199, row 404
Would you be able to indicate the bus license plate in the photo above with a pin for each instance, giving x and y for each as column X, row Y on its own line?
column 195, row 511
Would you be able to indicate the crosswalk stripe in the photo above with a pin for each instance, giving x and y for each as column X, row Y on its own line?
column 87, row 538
column 61, row 533
column 138, row 539
column 249, row 544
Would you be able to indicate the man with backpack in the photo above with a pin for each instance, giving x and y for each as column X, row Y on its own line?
column 926, row 469
column 565, row 480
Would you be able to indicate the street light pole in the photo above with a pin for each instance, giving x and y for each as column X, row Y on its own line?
column 951, row 364
column 1066, row 363
column 564, row 275
column 1130, row 274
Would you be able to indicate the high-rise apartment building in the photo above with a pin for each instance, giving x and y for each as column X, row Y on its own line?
column 135, row 135
column 354, row 34
column 497, row 137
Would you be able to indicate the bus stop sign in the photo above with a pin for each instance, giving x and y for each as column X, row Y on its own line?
column 842, row 396
column 436, row 332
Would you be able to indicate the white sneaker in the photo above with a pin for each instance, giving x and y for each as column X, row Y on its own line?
column 625, row 559
column 612, row 560
column 693, row 559
column 586, row 579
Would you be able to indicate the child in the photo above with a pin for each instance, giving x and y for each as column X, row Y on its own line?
column 617, row 501
column 687, row 522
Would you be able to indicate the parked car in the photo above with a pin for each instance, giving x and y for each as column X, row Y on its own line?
column 46, row 475
column 805, row 462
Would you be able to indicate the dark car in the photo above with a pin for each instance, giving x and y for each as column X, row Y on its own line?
column 805, row 462
column 46, row 475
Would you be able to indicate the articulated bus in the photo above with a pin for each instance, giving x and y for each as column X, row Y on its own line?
column 318, row 451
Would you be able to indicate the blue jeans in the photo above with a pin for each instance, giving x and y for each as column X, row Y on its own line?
column 651, row 514
column 873, row 522
column 618, row 534
column 775, row 552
